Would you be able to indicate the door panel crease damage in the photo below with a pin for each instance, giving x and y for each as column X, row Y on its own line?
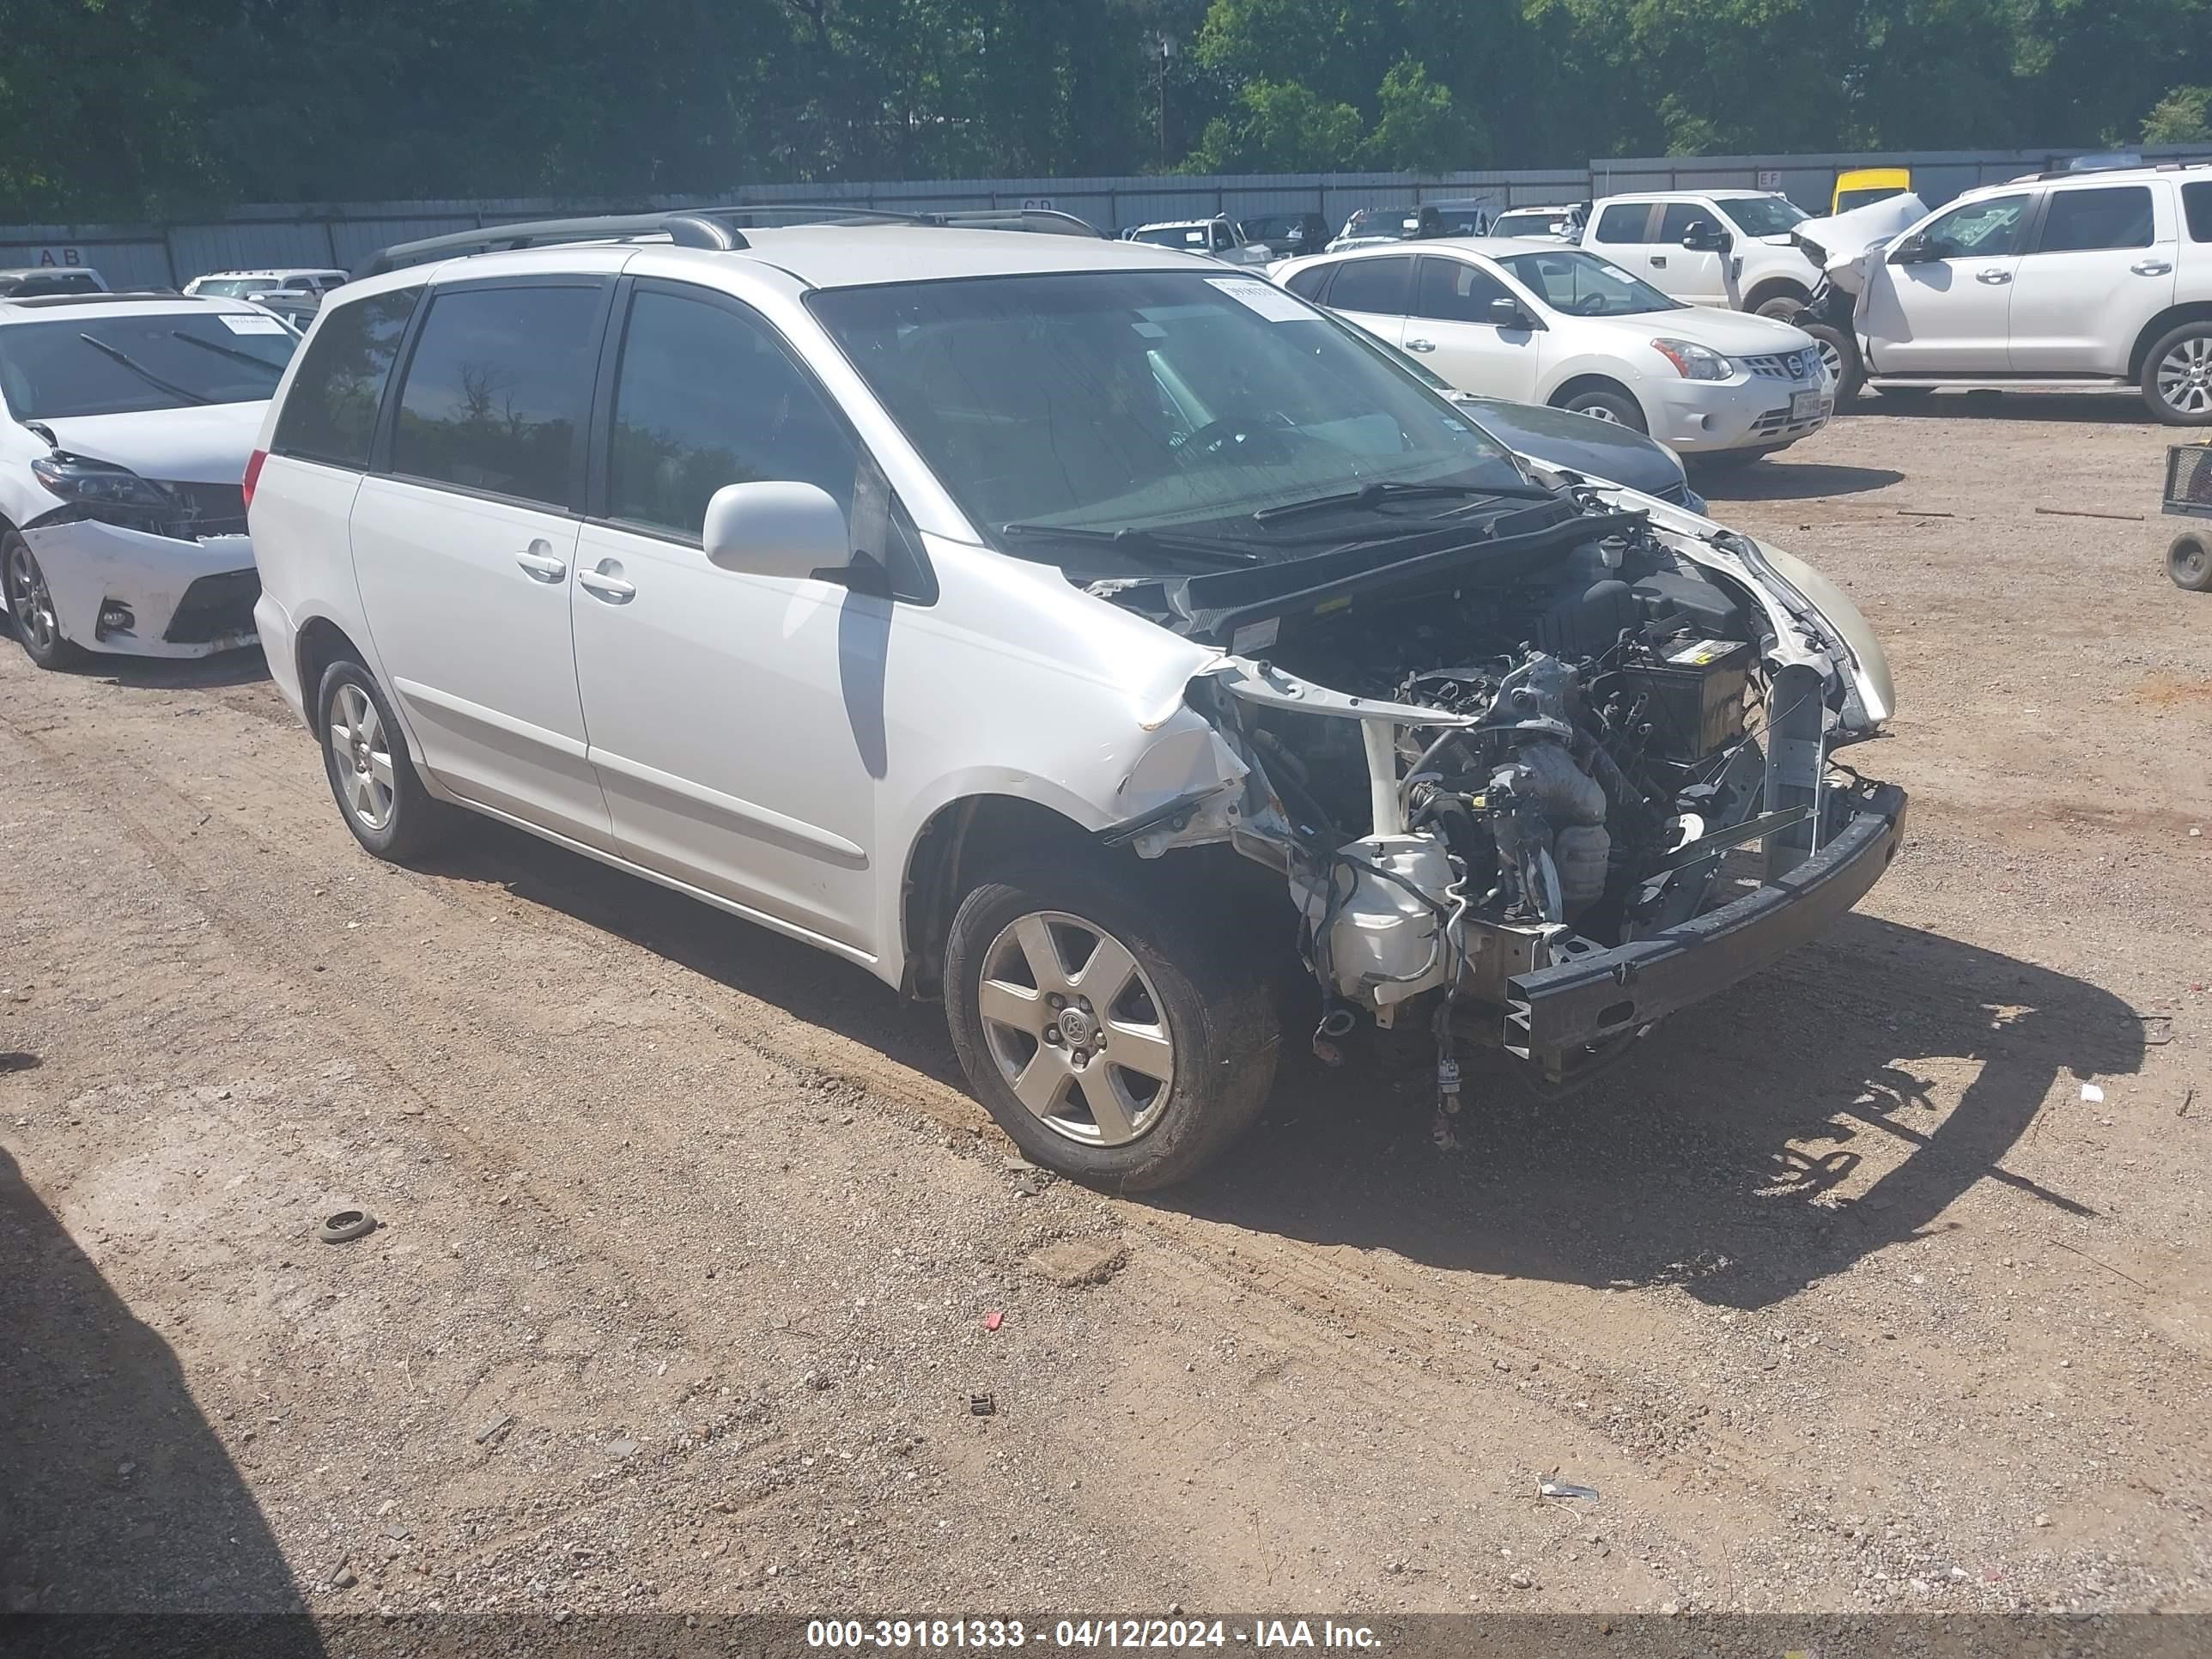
column 1541, row 789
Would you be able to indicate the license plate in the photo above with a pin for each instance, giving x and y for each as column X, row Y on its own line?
column 1804, row 405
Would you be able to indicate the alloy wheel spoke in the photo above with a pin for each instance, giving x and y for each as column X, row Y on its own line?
column 1014, row 1005
column 1104, row 1101
column 1141, row 1049
column 1042, row 951
column 1042, row 1081
column 1106, row 974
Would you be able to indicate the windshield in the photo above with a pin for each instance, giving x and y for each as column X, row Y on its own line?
column 235, row 287
column 1583, row 285
column 1523, row 224
column 126, row 364
column 1848, row 199
column 1763, row 215
column 1174, row 236
column 1101, row 401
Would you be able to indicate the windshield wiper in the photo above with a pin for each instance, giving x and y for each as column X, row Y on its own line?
column 1375, row 494
column 142, row 371
column 277, row 369
column 1198, row 550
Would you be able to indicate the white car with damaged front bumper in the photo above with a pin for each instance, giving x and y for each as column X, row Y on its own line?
column 122, row 511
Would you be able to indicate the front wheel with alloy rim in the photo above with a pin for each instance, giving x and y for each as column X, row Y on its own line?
column 31, row 607
column 365, row 754
column 1840, row 358
column 1606, row 404
column 1112, row 1036
column 2177, row 375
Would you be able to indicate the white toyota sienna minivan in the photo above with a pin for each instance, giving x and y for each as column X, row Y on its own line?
column 1069, row 629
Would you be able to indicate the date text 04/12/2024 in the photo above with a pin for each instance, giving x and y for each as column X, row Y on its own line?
column 953, row 1635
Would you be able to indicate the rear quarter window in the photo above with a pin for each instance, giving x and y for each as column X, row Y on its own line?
column 330, row 413
column 1624, row 222
column 2196, row 208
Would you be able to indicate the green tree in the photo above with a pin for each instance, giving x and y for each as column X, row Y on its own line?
column 2183, row 116
column 1278, row 127
column 1419, row 127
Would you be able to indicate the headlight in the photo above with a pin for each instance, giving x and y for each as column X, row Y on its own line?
column 96, row 483
column 1693, row 361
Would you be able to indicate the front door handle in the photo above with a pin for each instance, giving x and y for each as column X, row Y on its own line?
column 538, row 559
column 1992, row 275
column 605, row 582
column 1420, row 345
column 2150, row 267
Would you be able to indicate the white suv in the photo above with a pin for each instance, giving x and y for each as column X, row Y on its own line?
column 246, row 284
column 2073, row 280
column 1721, row 247
column 1069, row 628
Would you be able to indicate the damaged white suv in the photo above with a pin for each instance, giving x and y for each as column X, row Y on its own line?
column 122, row 517
column 1068, row 627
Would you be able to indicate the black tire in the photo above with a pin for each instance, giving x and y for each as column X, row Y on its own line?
column 2189, row 562
column 1193, row 979
column 1783, row 307
column 30, row 608
column 412, row 822
column 1840, row 352
column 1906, row 394
column 1606, row 404
column 2190, row 347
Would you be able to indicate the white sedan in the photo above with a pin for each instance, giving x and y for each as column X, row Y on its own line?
column 1539, row 323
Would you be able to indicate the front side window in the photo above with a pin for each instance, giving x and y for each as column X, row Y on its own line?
column 1624, row 222
column 1764, row 216
column 1102, row 401
column 1454, row 291
column 119, row 365
column 2079, row 220
column 1376, row 286
column 1978, row 230
column 498, row 389
column 1586, row 285
column 706, row 397
column 1676, row 220
column 330, row 412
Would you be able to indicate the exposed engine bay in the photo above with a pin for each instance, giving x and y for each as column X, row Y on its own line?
column 1539, row 757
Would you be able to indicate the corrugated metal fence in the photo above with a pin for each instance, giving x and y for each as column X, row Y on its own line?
column 346, row 233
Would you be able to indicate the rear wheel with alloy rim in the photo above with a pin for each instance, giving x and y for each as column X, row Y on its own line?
column 31, row 606
column 1112, row 1035
column 364, row 755
column 2176, row 378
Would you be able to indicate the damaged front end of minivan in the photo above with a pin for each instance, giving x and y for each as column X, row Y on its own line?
column 1543, row 786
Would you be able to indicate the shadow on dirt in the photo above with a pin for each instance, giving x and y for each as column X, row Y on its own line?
column 2113, row 409
column 118, row 1500
column 1789, row 481
column 1707, row 1160
column 240, row 668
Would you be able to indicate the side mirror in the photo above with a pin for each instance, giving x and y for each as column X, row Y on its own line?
column 1913, row 250
column 1506, row 313
column 778, row 529
column 1702, row 238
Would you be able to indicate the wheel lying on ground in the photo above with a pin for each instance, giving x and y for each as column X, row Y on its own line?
column 2189, row 561
column 1841, row 360
column 2177, row 375
column 365, row 756
column 1114, row 1034
column 31, row 607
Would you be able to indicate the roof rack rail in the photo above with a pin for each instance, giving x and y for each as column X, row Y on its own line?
column 715, row 228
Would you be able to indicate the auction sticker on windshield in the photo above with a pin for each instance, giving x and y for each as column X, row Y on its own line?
column 238, row 324
column 1265, row 298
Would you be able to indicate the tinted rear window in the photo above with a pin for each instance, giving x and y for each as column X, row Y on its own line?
column 1307, row 284
column 2197, row 207
column 1372, row 285
column 330, row 413
column 1624, row 222
column 498, row 389
column 2118, row 216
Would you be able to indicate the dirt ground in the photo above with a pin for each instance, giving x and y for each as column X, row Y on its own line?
column 1849, row 1296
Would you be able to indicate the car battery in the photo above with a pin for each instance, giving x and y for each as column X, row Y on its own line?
column 1694, row 695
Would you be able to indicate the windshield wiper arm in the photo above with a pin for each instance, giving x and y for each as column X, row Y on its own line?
column 1200, row 549
column 1381, row 490
column 142, row 371
column 277, row 369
